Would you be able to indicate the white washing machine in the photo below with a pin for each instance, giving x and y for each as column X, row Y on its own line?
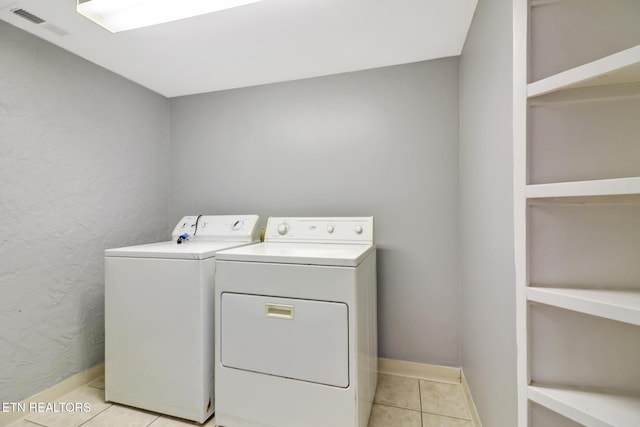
column 159, row 317
column 296, row 328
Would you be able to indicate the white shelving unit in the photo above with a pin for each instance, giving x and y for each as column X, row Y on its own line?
column 601, row 187
column 620, row 67
column 588, row 408
column 577, row 211
column 623, row 306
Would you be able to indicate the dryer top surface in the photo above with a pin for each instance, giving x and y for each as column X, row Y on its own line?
column 339, row 255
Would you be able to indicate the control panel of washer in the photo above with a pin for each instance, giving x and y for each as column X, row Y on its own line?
column 320, row 229
column 186, row 225
column 219, row 227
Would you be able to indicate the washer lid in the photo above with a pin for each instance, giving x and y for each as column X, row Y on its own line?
column 340, row 255
column 171, row 250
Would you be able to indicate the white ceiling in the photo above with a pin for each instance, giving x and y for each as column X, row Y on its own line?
column 265, row 42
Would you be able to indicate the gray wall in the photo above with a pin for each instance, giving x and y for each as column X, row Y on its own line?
column 83, row 160
column 486, row 214
column 85, row 164
column 382, row 142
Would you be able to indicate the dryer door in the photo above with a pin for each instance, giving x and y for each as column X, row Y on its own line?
column 292, row 338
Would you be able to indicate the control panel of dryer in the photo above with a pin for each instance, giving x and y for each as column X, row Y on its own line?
column 320, row 229
column 231, row 228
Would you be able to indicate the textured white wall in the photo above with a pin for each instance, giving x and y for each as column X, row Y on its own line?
column 486, row 214
column 382, row 142
column 83, row 167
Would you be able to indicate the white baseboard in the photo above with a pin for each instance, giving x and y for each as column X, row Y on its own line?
column 425, row 371
column 56, row 391
column 422, row 371
column 472, row 406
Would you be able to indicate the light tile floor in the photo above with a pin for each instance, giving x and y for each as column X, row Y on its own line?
column 409, row 402
column 399, row 402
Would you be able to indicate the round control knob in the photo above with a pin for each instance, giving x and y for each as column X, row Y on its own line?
column 283, row 229
column 358, row 229
column 237, row 225
column 330, row 228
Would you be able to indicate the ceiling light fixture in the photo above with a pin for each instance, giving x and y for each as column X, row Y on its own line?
column 122, row 15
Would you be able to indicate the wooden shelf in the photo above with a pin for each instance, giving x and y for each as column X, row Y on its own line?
column 621, row 67
column 592, row 409
column 601, row 187
column 623, row 306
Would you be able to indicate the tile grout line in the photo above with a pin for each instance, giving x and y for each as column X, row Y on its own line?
column 397, row 407
column 420, row 397
column 84, row 422
column 154, row 420
column 447, row 416
column 423, row 412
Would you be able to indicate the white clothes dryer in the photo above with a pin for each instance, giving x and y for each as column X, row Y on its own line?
column 159, row 301
column 296, row 326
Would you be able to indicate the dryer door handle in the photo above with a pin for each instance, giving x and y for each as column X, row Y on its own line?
column 280, row 311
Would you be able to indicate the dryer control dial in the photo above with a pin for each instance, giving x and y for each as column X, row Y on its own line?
column 330, row 228
column 283, row 229
column 358, row 229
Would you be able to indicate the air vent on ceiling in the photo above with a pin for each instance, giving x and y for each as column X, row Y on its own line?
column 28, row 16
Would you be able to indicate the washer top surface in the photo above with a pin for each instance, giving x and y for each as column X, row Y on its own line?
column 202, row 236
column 171, row 250
column 341, row 255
